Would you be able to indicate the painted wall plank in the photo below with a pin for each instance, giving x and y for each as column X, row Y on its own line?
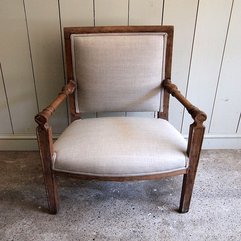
column 88, row 115
column 212, row 23
column 222, row 142
column 184, row 24
column 30, row 144
column 16, row 66
column 108, row 114
column 45, row 40
column 75, row 13
column 142, row 12
column 111, row 12
column 229, row 89
column 145, row 12
column 141, row 114
column 5, row 127
column 239, row 125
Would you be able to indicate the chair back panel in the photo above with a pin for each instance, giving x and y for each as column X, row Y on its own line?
column 118, row 71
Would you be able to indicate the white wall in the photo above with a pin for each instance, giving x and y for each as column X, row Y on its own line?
column 206, row 64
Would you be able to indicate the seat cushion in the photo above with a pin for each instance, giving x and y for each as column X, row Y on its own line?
column 120, row 146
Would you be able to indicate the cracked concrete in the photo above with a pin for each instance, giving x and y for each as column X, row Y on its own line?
column 143, row 210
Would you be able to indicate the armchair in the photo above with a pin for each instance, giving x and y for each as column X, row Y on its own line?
column 119, row 69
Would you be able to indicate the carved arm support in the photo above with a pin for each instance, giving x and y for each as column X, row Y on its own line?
column 42, row 117
column 197, row 115
column 45, row 141
column 196, row 130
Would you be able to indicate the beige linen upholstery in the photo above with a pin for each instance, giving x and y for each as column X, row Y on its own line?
column 120, row 146
column 118, row 72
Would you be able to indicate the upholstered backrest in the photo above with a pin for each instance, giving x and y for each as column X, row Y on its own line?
column 118, row 71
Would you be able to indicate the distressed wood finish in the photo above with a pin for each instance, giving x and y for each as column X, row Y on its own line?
column 196, row 131
column 45, row 114
column 44, row 135
column 45, row 141
column 195, row 139
column 124, row 178
column 197, row 115
column 120, row 29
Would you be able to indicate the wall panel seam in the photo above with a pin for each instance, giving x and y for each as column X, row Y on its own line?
column 55, row 136
column 162, row 12
column 221, row 65
column 128, row 17
column 238, row 123
column 30, row 55
column 94, row 12
column 128, row 22
column 6, row 96
column 62, row 50
column 61, row 39
column 190, row 62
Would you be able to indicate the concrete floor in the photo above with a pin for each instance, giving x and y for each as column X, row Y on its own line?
column 144, row 210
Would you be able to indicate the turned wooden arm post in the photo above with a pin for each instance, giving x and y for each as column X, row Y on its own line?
column 198, row 116
column 195, row 139
column 45, row 142
column 44, row 131
column 42, row 117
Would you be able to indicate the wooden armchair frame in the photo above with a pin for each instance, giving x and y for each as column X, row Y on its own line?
column 196, row 130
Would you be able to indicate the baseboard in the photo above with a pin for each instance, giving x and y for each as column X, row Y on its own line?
column 222, row 142
column 19, row 143
column 29, row 142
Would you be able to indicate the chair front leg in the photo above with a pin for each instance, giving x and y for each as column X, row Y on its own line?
column 196, row 134
column 44, row 136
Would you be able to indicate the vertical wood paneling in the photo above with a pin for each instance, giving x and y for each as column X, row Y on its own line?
column 184, row 24
column 76, row 13
column 145, row 12
column 229, row 89
column 46, row 48
column 141, row 114
column 5, row 126
column 16, row 66
column 111, row 12
column 31, row 51
column 239, row 125
column 212, row 23
column 106, row 114
column 142, row 12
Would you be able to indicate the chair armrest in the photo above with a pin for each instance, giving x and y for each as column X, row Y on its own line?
column 42, row 117
column 196, row 130
column 197, row 115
